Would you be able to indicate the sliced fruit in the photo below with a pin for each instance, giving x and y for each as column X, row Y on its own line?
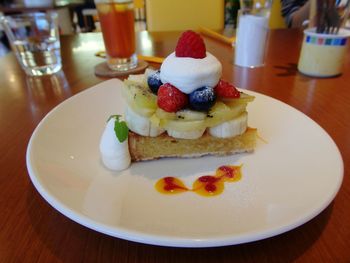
column 230, row 128
column 142, row 111
column 182, row 126
column 162, row 114
column 138, row 79
column 140, row 98
column 155, row 120
column 154, row 131
column 190, row 115
column 244, row 98
column 220, row 113
column 191, row 135
column 140, row 124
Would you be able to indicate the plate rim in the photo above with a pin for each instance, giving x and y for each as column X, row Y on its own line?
column 162, row 240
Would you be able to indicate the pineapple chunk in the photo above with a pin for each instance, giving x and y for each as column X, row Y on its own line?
column 244, row 98
column 162, row 114
column 145, row 112
column 220, row 113
column 190, row 115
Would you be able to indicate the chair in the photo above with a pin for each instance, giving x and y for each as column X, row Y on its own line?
column 139, row 6
column 171, row 15
column 91, row 21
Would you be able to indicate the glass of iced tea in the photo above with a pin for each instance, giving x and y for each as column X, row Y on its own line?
column 117, row 25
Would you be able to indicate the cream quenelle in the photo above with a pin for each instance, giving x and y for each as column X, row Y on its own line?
column 115, row 154
column 188, row 74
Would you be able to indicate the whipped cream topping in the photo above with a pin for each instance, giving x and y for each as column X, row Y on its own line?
column 189, row 74
column 115, row 155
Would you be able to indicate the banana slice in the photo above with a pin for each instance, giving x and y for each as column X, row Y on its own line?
column 140, row 124
column 230, row 128
column 154, row 131
column 186, row 134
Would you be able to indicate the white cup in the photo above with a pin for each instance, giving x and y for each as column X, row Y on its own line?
column 322, row 55
column 251, row 40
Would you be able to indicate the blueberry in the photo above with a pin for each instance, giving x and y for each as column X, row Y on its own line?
column 202, row 99
column 154, row 81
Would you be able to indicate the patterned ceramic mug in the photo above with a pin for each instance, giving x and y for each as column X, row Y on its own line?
column 322, row 55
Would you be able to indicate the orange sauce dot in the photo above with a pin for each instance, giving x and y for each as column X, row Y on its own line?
column 229, row 173
column 171, row 185
column 208, row 186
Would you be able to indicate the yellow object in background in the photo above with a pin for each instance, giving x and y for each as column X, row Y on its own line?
column 139, row 3
column 276, row 18
column 216, row 35
column 178, row 15
column 152, row 59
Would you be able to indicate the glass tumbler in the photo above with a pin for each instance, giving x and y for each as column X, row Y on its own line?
column 118, row 30
column 34, row 38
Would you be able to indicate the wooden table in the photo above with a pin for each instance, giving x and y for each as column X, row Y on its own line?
column 32, row 231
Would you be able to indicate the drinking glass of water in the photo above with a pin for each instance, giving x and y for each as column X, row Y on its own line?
column 34, row 38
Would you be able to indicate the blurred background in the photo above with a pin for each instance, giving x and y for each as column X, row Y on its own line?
column 80, row 16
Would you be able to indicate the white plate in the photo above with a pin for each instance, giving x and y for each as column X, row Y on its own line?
column 286, row 181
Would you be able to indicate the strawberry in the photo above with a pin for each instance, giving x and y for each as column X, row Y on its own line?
column 226, row 90
column 170, row 98
column 190, row 44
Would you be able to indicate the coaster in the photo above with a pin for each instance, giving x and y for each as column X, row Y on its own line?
column 102, row 70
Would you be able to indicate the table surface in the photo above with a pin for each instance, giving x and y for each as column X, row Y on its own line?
column 32, row 231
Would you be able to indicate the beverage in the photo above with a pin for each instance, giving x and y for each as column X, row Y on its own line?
column 34, row 39
column 117, row 24
column 38, row 56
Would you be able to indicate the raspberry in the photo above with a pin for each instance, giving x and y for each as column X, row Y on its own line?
column 190, row 44
column 170, row 98
column 226, row 90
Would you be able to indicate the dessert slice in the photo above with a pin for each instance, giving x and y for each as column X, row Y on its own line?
column 221, row 130
column 184, row 109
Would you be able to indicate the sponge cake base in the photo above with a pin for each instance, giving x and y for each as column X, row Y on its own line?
column 148, row 148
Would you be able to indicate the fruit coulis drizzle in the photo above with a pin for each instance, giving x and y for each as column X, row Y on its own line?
column 207, row 185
